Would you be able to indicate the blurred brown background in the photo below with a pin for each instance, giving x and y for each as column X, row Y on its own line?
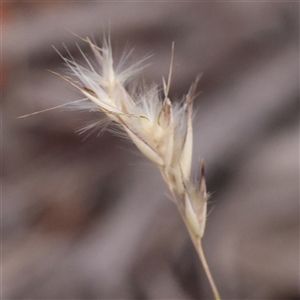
column 87, row 217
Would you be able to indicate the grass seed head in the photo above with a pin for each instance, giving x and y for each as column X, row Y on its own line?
column 160, row 129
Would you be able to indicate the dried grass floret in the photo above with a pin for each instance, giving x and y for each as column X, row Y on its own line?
column 160, row 129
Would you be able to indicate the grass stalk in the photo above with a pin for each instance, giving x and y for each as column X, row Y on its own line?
column 202, row 258
column 160, row 129
column 199, row 249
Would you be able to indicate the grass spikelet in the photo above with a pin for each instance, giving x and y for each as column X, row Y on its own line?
column 160, row 129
